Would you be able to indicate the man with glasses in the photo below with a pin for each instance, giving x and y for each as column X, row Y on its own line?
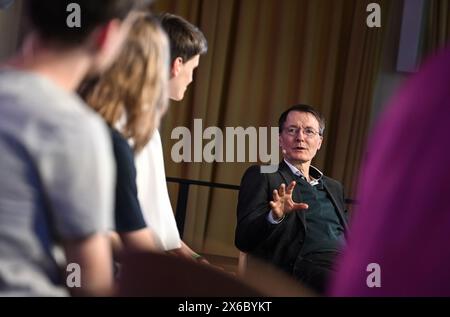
column 294, row 218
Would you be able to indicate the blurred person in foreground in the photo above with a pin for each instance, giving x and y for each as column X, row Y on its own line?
column 57, row 168
column 398, row 242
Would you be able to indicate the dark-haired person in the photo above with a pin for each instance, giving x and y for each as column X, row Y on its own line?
column 187, row 43
column 57, row 168
column 294, row 218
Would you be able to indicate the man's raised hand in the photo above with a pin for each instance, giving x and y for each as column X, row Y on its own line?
column 282, row 202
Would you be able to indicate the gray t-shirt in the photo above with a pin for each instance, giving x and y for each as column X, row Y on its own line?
column 56, row 180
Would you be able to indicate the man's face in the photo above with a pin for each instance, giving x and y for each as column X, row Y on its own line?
column 299, row 138
column 182, row 77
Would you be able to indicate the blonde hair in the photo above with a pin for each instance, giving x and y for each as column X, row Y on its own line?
column 135, row 88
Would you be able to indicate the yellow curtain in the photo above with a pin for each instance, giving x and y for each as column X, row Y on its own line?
column 437, row 27
column 264, row 56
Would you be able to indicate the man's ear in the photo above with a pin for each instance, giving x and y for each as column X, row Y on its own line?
column 320, row 143
column 280, row 143
column 176, row 67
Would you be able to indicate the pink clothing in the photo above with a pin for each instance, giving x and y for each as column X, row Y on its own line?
column 402, row 221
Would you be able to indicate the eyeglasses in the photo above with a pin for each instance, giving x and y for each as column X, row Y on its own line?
column 308, row 132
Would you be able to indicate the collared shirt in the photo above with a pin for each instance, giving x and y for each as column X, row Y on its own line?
column 316, row 179
column 314, row 173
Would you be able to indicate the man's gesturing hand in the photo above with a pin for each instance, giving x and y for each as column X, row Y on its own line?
column 282, row 202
